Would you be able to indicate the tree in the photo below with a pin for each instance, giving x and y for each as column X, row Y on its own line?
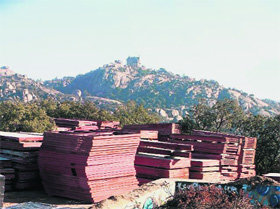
column 79, row 110
column 267, row 131
column 224, row 115
column 227, row 116
column 17, row 116
column 132, row 113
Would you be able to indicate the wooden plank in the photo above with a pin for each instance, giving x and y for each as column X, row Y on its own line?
column 162, row 162
column 249, row 143
column 207, row 176
column 204, row 162
column 211, row 148
column 205, row 138
column 170, row 152
column 7, row 170
column 230, row 162
column 20, row 146
column 19, row 154
column 162, row 128
column 19, row 137
column 167, row 145
column 205, row 169
column 161, row 173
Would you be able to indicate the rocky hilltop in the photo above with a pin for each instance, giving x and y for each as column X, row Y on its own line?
column 111, row 85
column 6, row 71
column 169, row 94
column 15, row 86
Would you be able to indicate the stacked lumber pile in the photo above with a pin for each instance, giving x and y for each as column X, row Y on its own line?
column 224, row 149
column 8, row 171
column 115, row 125
column 243, row 165
column 88, row 166
column 2, row 189
column 22, row 150
column 163, row 129
column 246, row 164
column 64, row 124
column 155, row 160
column 144, row 134
column 235, row 154
column 205, row 169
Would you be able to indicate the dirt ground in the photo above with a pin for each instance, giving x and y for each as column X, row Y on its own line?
column 13, row 198
column 39, row 196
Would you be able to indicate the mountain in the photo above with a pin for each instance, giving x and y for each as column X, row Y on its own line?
column 111, row 85
column 169, row 94
column 15, row 86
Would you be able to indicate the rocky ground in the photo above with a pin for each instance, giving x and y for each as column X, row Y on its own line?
column 39, row 199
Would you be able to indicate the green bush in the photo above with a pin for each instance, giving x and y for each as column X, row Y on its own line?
column 17, row 116
column 209, row 197
column 227, row 116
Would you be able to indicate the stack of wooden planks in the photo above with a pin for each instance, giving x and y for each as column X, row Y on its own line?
column 205, row 169
column 246, row 164
column 144, row 134
column 22, row 150
column 2, row 189
column 240, row 162
column 162, row 128
column 64, row 124
column 156, row 160
column 224, row 149
column 8, row 171
column 108, row 125
column 88, row 166
column 235, row 154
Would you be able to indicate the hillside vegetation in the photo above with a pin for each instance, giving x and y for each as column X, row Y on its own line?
column 169, row 94
column 223, row 116
column 112, row 85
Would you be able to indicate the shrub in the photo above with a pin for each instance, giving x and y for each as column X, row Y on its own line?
column 210, row 197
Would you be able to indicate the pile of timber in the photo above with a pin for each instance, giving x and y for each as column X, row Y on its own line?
column 2, row 189
column 205, row 169
column 155, row 160
column 90, row 166
column 21, row 149
column 144, row 134
column 231, row 156
column 64, row 124
column 243, row 165
column 164, row 129
column 224, row 149
column 115, row 125
column 246, row 165
column 6, row 169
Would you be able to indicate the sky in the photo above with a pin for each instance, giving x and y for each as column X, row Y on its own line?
column 236, row 43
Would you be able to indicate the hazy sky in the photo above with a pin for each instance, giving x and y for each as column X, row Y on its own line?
column 236, row 42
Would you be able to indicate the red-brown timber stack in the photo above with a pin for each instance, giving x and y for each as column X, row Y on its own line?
column 164, row 129
column 89, row 166
column 222, row 148
column 156, row 160
column 246, row 158
column 22, row 150
column 64, row 124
